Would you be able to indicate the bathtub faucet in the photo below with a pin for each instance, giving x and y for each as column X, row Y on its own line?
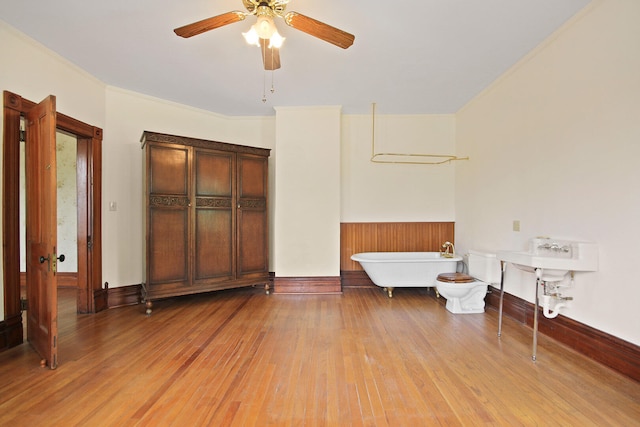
column 447, row 251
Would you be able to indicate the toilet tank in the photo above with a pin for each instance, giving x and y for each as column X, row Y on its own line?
column 484, row 266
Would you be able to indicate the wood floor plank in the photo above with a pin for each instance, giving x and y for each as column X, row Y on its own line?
column 241, row 358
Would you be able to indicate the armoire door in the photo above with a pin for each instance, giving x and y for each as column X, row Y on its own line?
column 168, row 205
column 253, row 227
column 214, row 222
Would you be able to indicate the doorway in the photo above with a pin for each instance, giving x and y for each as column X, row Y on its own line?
column 91, row 297
column 67, row 208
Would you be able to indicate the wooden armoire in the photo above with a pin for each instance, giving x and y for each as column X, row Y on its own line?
column 206, row 216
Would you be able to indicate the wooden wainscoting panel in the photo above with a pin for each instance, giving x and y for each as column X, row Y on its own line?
column 358, row 237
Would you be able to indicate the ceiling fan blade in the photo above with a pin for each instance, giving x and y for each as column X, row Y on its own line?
column 270, row 56
column 319, row 29
column 200, row 27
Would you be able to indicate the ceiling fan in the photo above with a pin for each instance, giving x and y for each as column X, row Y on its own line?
column 264, row 32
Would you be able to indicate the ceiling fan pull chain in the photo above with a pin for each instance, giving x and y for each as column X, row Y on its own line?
column 273, row 89
column 264, row 86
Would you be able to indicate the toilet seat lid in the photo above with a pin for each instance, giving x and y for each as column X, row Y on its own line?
column 455, row 278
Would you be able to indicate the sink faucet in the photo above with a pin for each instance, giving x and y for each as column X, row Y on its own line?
column 447, row 251
column 555, row 247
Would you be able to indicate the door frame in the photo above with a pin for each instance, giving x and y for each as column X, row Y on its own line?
column 91, row 296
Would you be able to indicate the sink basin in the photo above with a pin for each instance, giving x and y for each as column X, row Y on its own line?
column 555, row 258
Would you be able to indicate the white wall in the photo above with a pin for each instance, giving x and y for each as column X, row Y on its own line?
column 555, row 144
column 375, row 192
column 307, row 202
column 36, row 72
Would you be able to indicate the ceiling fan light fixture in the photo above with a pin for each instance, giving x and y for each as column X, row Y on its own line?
column 265, row 27
column 276, row 40
column 252, row 37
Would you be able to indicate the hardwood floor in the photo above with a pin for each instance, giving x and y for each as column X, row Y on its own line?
column 359, row 359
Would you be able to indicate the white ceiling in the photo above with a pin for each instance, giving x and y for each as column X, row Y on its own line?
column 409, row 56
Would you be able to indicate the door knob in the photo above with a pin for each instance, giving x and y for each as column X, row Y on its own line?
column 43, row 259
column 61, row 258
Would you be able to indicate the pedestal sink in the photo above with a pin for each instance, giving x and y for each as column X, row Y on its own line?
column 550, row 260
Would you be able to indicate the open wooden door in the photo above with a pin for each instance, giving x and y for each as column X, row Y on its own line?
column 41, row 236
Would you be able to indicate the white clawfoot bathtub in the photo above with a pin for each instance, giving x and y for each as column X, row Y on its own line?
column 391, row 270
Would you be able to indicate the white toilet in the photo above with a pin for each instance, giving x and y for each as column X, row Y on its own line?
column 465, row 293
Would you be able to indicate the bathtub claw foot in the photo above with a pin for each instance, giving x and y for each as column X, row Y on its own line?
column 389, row 292
column 437, row 293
